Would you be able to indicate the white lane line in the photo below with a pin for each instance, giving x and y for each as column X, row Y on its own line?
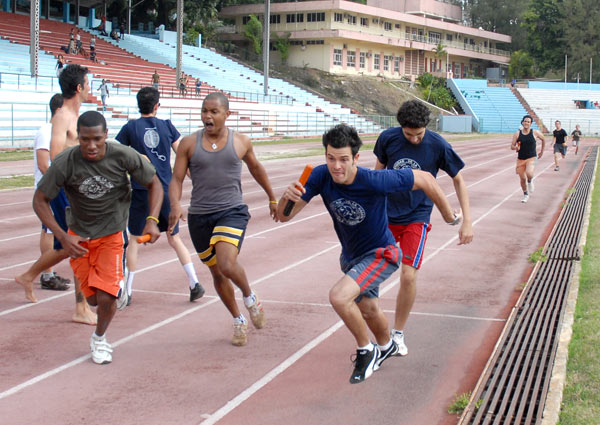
column 15, row 203
column 29, row 305
column 151, row 328
column 8, row 220
column 19, row 237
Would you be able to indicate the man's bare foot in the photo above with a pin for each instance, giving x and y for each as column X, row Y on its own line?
column 28, row 286
column 83, row 314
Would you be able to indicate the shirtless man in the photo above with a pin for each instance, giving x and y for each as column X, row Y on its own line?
column 75, row 88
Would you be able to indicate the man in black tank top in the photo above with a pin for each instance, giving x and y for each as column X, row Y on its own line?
column 561, row 138
column 524, row 142
column 217, row 216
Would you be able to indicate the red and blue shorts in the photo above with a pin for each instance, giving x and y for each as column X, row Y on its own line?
column 411, row 238
column 371, row 269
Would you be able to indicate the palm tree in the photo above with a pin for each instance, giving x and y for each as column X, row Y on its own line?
column 440, row 52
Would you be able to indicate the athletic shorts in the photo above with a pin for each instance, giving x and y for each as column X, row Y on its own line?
column 58, row 206
column 45, row 229
column 523, row 164
column 560, row 149
column 140, row 209
column 371, row 269
column 223, row 226
column 101, row 268
column 411, row 238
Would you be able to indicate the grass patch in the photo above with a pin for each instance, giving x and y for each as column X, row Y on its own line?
column 461, row 402
column 16, row 155
column 537, row 255
column 581, row 396
column 16, row 182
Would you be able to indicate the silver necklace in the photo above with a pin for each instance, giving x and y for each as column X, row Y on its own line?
column 214, row 146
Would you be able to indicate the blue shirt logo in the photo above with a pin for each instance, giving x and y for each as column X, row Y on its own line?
column 406, row 163
column 348, row 212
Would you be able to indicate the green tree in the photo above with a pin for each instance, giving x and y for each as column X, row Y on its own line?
column 282, row 45
column 253, row 33
column 521, row 65
column 582, row 38
column 504, row 17
column 545, row 24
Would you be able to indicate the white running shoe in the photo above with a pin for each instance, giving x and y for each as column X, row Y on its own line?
column 525, row 198
column 398, row 338
column 101, row 350
column 530, row 187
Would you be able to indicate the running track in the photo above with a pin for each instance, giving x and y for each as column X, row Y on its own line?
column 173, row 363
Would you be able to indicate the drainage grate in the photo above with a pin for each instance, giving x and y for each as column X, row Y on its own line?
column 514, row 385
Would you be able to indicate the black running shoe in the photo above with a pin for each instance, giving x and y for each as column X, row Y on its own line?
column 197, row 292
column 364, row 364
column 53, row 283
column 392, row 351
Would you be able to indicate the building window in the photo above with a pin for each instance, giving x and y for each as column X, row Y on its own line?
column 376, row 62
column 296, row 43
column 397, row 26
column 315, row 17
column 352, row 20
column 275, row 19
column 290, row 18
column 337, row 56
column 300, row 17
column 351, row 58
column 387, row 26
column 338, row 17
column 448, row 37
column 364, row 22
column 397, row 64
column 315, row 41
column 435, row 37
column 245, row 20
column 386, row 63
column 362, row 59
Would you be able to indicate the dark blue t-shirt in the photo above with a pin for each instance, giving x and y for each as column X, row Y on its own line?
column 358, row 210
column 152, row 137
column 432, row 154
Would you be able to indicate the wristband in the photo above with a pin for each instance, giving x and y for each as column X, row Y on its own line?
column 152, row 218
column 273, row 202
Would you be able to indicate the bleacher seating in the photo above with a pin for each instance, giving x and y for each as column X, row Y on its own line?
column 497, row 108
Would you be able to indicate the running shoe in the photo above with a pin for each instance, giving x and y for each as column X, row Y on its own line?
column 364, row 364
column 557, row 168
column 197, row 292
column 101, row 350
column 257, row 314
column 530, row 187
column 62, row 279
column 384, row 354
column 122, row 296
column 240, row 334
column 53, row 283
column 398, row 338
column 525, row 198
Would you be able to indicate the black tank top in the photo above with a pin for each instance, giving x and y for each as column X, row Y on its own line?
column 528, row 145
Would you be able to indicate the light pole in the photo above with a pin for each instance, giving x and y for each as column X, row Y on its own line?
column 266, row 37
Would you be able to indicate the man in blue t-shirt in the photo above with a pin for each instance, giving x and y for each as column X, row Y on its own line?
column 154, row 138
column 413, row 146
column 356, row 199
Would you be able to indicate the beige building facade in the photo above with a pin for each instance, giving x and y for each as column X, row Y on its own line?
column 389, row 38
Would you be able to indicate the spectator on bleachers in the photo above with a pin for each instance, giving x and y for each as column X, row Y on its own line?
column 122, row 30
column 93, row 43
column 60, row 63
column 93, row 56
column 103, row 93
column 198, row 86
column 114, row 35
column 183, row 85
column 71, row 35
column 156, row 80
column 71, row 48
column 102, row 27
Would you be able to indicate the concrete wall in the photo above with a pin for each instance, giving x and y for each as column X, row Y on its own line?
column 456, row 124
column 431, row 7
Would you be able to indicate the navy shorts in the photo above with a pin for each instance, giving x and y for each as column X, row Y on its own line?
column 140, row 209
column 371, row 269
column 223, row 226
column 59, row 206
column 560, row 149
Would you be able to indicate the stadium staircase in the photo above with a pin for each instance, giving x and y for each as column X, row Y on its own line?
column 530, row 111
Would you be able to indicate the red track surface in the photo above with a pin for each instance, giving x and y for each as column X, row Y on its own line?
column 173, row 362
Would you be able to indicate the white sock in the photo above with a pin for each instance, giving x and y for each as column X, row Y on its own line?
column 130, row 282
column 240, row 319
column 386, row 346
column 47, row 275
column 95, row 336
column 368, row 347
column 191, row 272
column 249, row 300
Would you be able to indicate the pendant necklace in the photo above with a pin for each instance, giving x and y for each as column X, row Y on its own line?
column 214, row 146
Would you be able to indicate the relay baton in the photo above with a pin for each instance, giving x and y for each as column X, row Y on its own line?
column 303, row 178
column 145, row 238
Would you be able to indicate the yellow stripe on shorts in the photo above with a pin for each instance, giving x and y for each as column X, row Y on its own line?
column 226, row 229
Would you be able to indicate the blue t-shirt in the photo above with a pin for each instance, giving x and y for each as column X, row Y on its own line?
column 358, row 210
column 432, row 154
column 152, row 137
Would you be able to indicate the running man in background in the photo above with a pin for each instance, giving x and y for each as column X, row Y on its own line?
column 154, row 138
column 576, row 135
column 356, row 199
column 217, row 215
column 41, row 149
column 560, row 139
column 413, row 146
column 524, row 143
column 75, row 88
column 104, row 93
column 94, row 177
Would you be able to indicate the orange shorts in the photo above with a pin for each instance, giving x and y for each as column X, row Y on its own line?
column 101, row 268
column 524, row 164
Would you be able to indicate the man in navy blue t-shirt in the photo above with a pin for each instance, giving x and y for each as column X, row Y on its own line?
column 413, row 146
column 356, row 199
column 154, row 138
